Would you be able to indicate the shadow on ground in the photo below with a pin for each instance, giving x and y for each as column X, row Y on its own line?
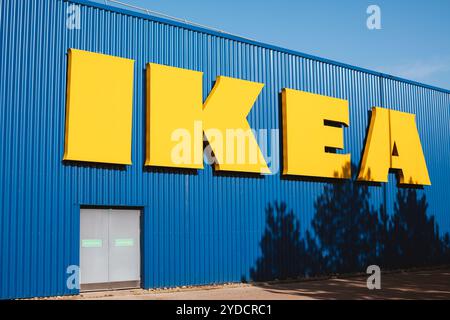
column 417, row 285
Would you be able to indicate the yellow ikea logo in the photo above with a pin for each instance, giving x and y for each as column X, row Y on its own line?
column 99, row 124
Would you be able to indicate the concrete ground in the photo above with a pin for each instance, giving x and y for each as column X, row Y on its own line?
column 432, row 284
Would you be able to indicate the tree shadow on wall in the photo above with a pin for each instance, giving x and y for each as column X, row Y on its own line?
column 350, row 235
column 412, row 237
column 284, row 251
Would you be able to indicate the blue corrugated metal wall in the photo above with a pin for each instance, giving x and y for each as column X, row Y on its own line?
column 198, row 228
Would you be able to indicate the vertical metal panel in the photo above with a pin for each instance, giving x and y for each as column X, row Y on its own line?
column 94, row 228
column 198, row 228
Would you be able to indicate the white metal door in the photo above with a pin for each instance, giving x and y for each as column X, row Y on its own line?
column 109, row 248
column 124, row 245
column 94, row 248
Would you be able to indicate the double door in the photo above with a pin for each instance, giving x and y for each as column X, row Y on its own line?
column 109, row 249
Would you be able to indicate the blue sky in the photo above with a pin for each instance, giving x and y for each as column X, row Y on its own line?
column 414, row 41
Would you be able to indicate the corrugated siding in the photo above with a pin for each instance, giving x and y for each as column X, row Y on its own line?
column 432, row 110
column 198, row 228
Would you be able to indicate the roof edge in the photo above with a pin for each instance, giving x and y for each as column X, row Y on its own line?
column 251, row 42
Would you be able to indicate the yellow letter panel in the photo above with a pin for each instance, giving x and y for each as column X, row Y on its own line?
column 174, row 105
column 410, row 160
column 305, row 135
column 376, row 160
column 393, row 143
column 177, row 118
column 99, row 108
column 226, row 111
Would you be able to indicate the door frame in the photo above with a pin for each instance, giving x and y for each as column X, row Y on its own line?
column 122, row 285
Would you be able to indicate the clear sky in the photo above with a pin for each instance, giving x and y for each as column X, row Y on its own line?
column 413, row 42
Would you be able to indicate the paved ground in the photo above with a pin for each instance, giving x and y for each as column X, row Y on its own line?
column 433, row 284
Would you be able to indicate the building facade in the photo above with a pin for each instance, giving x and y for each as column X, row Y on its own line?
column 152, row 226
